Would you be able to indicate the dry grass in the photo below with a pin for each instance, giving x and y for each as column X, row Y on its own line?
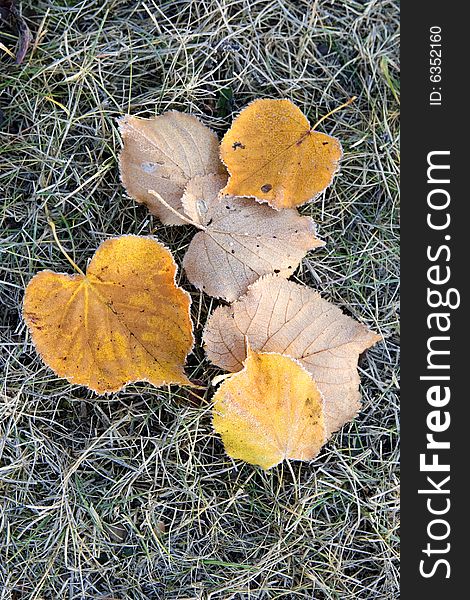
column 131, row 496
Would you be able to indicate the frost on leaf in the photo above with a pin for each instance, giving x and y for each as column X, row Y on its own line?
column 281, row 316
column 270, row 411
column 273, row 155
column 125, row 321
column 241, row 240
column 163, row 154
column 200, row 199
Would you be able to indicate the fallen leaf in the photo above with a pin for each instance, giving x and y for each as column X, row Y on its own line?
column 241, row 240
column 270, row 411
column 163, row 154
column 124, row 321
column 281, row 316
column 273, row 155
column 200, row 200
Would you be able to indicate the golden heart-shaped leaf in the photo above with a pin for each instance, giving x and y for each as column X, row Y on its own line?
column 273, row 155
column 270, row 411
column 281, row 316
column 124, row 321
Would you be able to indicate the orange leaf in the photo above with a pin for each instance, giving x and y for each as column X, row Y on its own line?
column 270, row 411
column 273, row 155
column 124, row 321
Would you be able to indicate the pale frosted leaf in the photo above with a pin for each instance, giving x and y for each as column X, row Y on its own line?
column 281, row 316
column 200, row 198
column 163, row 154
column 244, row 240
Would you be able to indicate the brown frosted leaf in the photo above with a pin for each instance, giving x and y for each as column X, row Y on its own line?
column 270, row 411
column 163, row 154
column 281, row 316
column 124, row 321
column 273, row 155
column 241, row 240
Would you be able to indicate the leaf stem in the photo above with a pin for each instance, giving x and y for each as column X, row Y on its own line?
column 173, row 210
column 57, row 241
column 332, row 112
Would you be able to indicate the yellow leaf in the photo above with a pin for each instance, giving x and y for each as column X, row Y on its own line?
column 270, row 411
column 124, row 321
column 276, row 315
column 273, row 155
column 163, row 154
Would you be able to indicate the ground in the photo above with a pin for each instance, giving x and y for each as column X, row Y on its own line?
column 131, row 495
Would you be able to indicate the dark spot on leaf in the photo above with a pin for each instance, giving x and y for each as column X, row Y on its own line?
column 325, row 143
column 267, row 187
column 238, row 145
column 233, row 251
column 277, row 270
